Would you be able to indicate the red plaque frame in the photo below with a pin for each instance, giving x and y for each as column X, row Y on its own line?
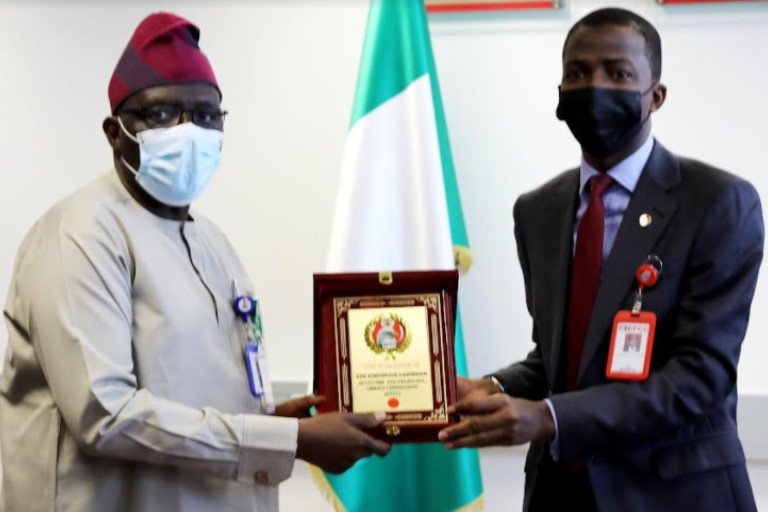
column 435, row 6
column 336, row 294
column 672, row 2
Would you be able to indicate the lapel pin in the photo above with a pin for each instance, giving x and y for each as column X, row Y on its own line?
column 645, row 220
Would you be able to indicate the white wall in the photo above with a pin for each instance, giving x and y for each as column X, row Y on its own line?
column 288, row 71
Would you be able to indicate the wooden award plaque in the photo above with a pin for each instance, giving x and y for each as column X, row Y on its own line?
column 384, row 343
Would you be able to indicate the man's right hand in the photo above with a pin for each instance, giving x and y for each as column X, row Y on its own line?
column 335, row 441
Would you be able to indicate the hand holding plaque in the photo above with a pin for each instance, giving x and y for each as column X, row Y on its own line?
column 335, row 441
column 384, row 343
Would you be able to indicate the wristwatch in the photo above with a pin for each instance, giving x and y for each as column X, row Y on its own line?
column 496, row 383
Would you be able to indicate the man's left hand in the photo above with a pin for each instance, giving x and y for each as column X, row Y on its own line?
column 496, row 420
column 298, row 407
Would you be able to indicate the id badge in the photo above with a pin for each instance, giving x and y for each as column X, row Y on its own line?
column 252, row 365
column 258, row 376
column 629, row 357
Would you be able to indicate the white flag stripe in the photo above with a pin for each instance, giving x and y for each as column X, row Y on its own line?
column 391, row 212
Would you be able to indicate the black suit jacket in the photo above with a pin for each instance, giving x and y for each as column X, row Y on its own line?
column 669, row 442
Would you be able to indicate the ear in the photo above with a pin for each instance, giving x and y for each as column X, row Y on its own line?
column 112, row 131
column 659, row 95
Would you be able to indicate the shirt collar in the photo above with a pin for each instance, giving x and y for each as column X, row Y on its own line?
column 626, row 173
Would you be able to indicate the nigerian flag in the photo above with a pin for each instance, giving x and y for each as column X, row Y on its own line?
column 398, row 208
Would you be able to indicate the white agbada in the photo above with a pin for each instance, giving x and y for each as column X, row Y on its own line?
column 123, row 387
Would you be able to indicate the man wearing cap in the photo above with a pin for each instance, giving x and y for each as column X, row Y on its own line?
column 124, row 386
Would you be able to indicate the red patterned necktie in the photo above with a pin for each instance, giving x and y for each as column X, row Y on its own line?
column 585, row 274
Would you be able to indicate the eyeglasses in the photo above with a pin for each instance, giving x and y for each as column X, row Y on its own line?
column 163, row 116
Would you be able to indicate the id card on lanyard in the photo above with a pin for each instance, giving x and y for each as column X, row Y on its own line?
column 248, row 311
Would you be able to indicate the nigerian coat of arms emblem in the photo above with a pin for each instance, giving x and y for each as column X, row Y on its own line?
column 387, row 334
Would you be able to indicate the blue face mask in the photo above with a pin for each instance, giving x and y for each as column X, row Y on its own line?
column 177, row 163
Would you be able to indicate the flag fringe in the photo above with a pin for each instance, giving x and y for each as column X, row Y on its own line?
column 462, row 256
column 477, row 505
column 325, row 488
column 474, row 506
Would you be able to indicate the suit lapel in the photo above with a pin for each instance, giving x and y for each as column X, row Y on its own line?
column 654, row 194
column 563, row 211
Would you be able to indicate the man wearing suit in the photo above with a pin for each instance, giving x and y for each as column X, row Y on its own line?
column 606, row 444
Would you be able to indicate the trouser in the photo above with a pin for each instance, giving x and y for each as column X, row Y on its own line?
column 558, row 487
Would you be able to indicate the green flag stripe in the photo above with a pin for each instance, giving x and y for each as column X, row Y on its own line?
column 411, row 478
column 394, row 54
column 459, row 352
column 455, row 215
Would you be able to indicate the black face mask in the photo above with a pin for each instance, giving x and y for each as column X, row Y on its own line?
column 603, row 120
